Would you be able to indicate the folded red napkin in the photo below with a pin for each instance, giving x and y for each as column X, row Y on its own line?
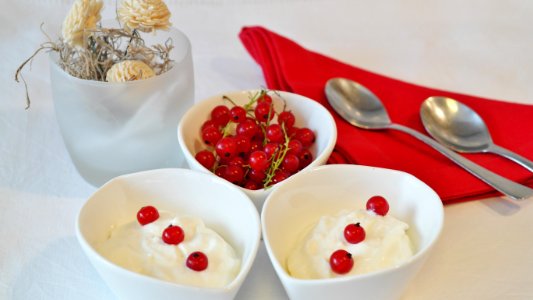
column 288, row 66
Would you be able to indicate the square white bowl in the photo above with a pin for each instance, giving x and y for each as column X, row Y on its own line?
column 308, row 113
column 298, row 204
column 222, row 207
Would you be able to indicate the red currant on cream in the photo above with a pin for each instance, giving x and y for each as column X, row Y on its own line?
column 197, row 261
column 173, row 235
column 378, row 205
column 147, row 215
column 354, row 233
column 341, row 261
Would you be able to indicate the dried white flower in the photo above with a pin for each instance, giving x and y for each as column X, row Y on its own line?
column 144, row 15
column 84, row 14
column 129, row 70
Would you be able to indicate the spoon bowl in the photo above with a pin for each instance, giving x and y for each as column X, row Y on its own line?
column 460, row 128
column 361, row 108
column 357, row 104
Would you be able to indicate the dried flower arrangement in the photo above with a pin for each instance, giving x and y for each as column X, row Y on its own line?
column 89, row 51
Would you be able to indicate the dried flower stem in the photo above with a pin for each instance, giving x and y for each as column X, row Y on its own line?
column 104, row 47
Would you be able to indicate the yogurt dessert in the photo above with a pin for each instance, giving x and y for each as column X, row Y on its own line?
column 350, row 243
column 179, row 249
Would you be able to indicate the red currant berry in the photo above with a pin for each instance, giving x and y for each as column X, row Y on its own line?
column 255, row 146
column 220, row 171
column 226, row 148
column 274, row 133
column 258, row 160
column 341, row 261
column 236, row 161
column 271, row 149
column 295, row 147
column 197, row 261
column 251, row 185
column 237, row 114
column 209, row 123
column 211, row 135
column 291, row 132
column 306, row 157
column 147, row 214
column 279, row 176
column 256, row 175
column 260, row 136
column 264, row 97
column 234, row 174
column 290, row 163
column 220, row 115
column 378, row 205
column 248, row 128
column 173, row 235
column 264, row 112
column 354, row 233
column 243, row 145
column 306, row 136
column 205, row 158
column 287, row 119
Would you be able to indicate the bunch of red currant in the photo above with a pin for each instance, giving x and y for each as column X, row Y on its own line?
column 253, row 145
column 341, row 261
column 173, row 235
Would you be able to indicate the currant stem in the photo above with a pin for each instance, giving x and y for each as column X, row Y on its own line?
column 253, row 99
column 279, row 160
column 224, row 97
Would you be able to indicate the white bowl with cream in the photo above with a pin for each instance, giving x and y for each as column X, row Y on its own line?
column 292, row 209
column 174, row 192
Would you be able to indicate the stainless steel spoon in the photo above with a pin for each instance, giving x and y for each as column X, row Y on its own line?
column 460, row 128
column 363, row 109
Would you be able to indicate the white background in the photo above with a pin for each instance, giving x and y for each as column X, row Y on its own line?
column 477, row 47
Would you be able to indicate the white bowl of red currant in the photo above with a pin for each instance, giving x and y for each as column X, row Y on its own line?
column 170, row 234
column 345, row 231
column 256, row 138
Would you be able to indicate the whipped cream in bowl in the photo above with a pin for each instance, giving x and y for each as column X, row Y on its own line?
column 386, row 245
column 141, row 249
column 217, row 220
column 304, row 223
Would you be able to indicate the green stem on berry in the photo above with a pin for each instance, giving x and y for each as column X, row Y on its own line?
column 224, row 97
column 228, row 129
column 278, row 159
column 254, row 99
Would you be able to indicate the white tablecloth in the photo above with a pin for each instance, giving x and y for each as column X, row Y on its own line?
column 476, row 47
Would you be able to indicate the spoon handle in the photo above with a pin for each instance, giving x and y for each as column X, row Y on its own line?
column 507, row 187
column 524, row 162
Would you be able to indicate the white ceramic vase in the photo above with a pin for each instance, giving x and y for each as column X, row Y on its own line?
column 112, row 129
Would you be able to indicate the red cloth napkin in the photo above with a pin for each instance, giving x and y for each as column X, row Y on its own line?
column 288, row 66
